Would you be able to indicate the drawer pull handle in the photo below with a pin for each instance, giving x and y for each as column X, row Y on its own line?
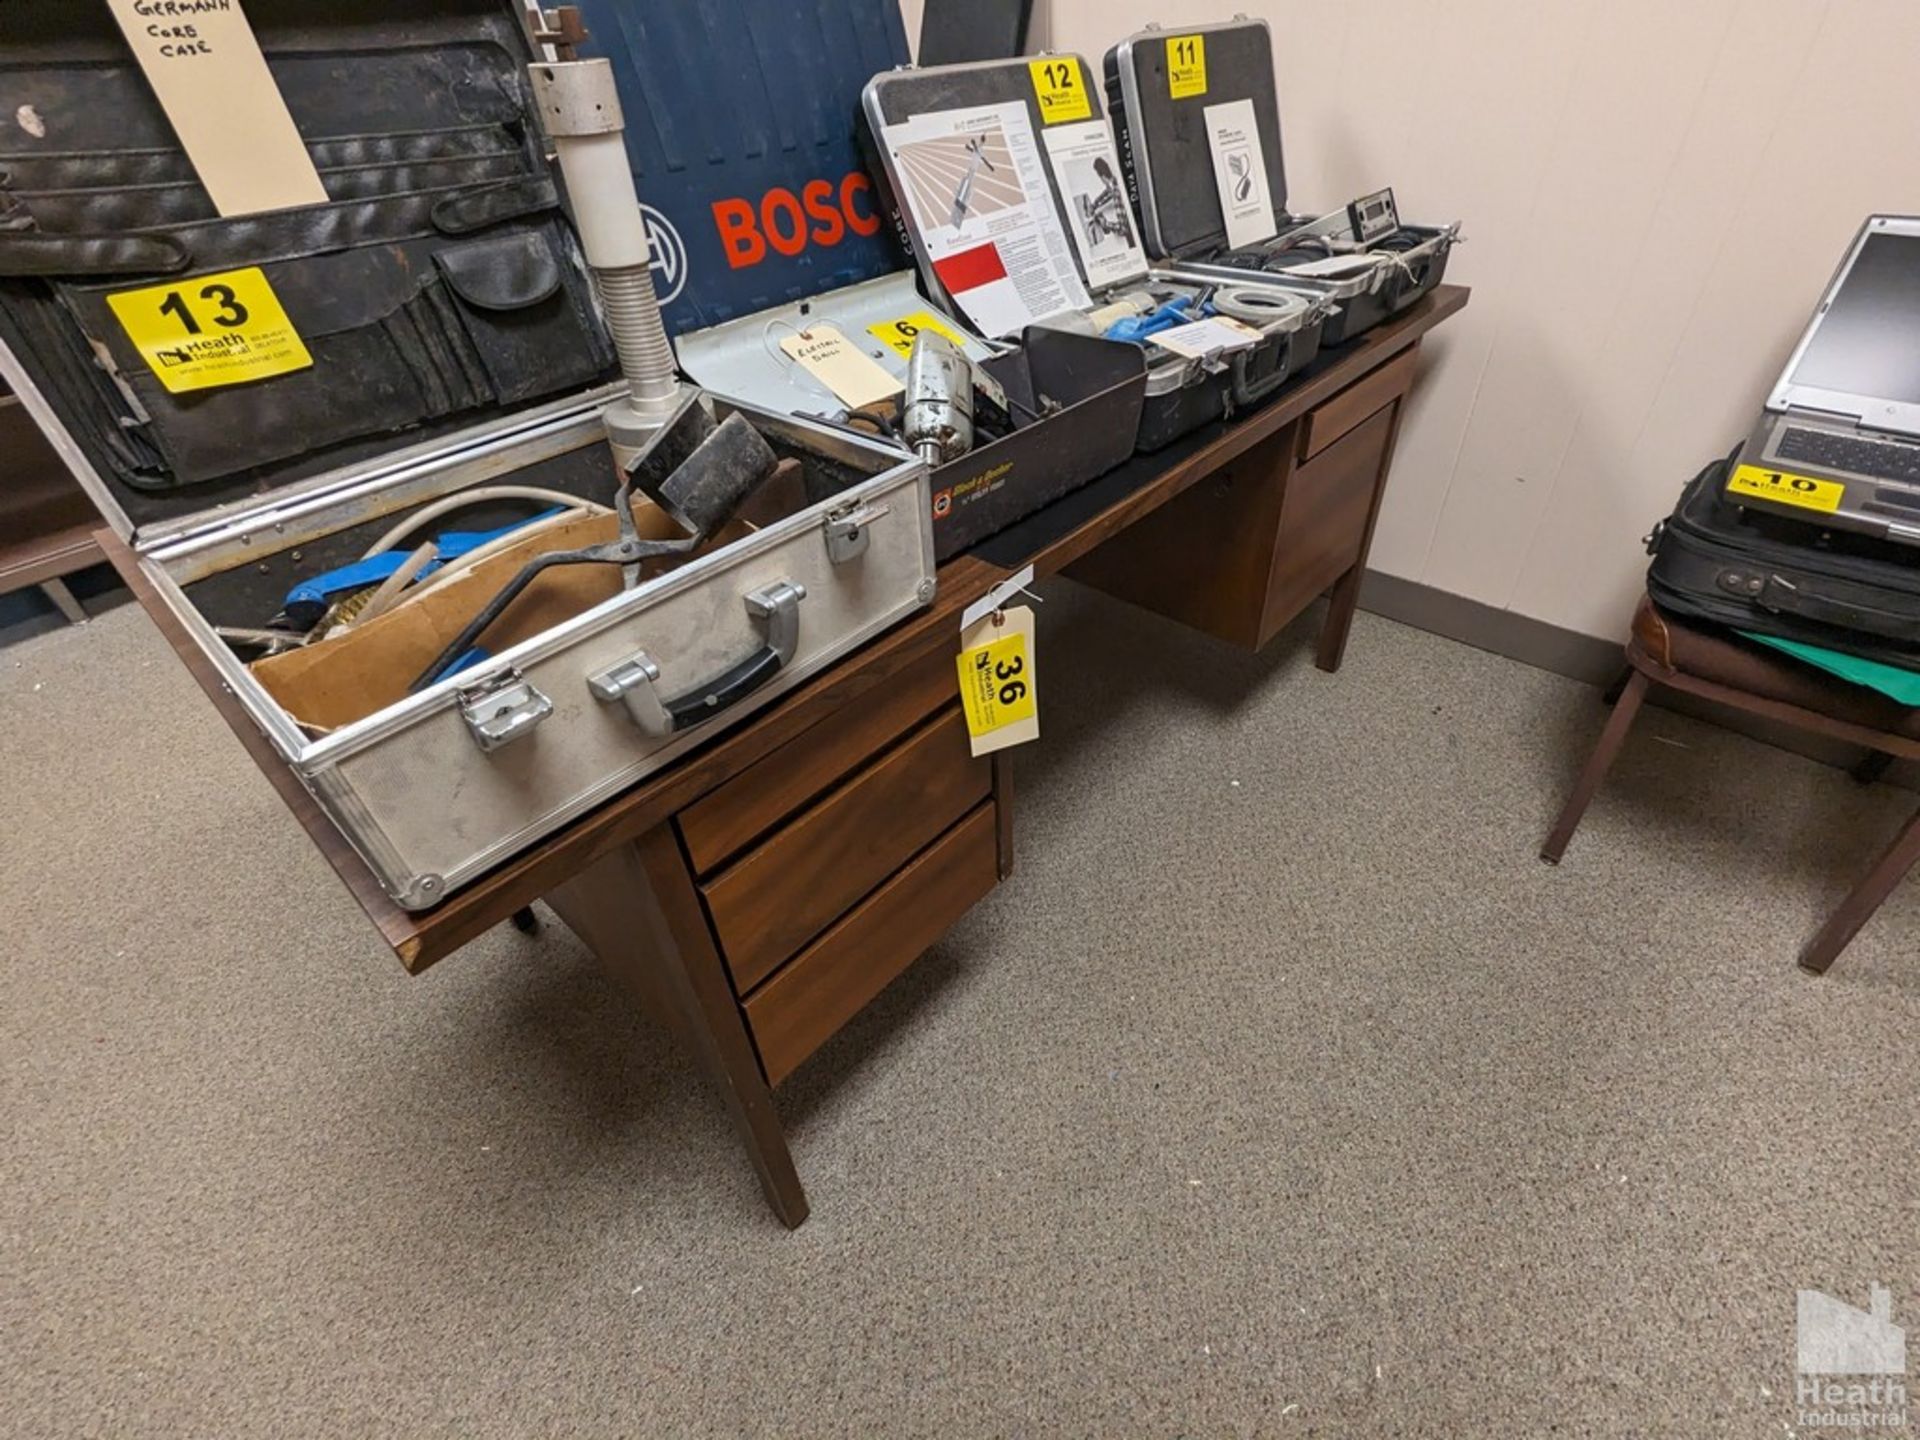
column 635, row 681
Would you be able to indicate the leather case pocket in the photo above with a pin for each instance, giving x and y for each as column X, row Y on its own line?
column 379, row 365
column 400, row 334
column 525, row 306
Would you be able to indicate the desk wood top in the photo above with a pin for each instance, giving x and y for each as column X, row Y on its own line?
column 1064, row 531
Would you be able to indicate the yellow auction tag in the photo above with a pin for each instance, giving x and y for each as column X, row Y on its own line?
column 1785, row 488
column 1056, row 82
column 997, row 682
column 1186, row 65
column 898, row 334
column 211, row 330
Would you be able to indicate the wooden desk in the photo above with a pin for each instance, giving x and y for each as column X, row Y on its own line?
column 46, row 520
column 760, row 892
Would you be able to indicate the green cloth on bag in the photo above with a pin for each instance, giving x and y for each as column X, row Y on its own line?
column 1889, row 680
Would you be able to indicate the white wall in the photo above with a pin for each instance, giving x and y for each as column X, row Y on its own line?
column 1654, row 193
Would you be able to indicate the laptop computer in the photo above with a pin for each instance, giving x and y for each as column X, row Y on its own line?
column 1839, row 441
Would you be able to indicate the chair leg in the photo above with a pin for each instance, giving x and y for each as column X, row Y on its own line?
column 1601, row 761
column 1866, row 898
column 1613, row 692
column 1872, row 767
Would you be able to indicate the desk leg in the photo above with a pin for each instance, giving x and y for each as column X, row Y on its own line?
column 636, row 909
column 1344, row 598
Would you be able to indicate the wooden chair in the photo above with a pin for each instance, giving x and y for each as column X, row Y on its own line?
column 1666, row 651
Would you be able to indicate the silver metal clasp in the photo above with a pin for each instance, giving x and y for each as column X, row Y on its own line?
column 846, row 530
column 502, row 708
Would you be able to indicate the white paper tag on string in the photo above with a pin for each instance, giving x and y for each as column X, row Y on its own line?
column 1215, row 335
column 998, row 685
column 1240, row 173
column 836, row 362
column 996, row 598
column 205, row 67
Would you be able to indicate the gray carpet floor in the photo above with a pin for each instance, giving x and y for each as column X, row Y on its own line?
column 1282, row 1091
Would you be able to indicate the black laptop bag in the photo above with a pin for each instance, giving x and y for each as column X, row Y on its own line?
column 1715, row 561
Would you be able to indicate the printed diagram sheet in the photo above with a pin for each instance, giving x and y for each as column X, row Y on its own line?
column 1240, row 173
column 978, row 196
column 1088, row 173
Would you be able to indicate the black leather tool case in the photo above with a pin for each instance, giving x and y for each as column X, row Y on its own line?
column 440, row 283
column 1752, row 570
column 1160, row 84
column 1098, row 231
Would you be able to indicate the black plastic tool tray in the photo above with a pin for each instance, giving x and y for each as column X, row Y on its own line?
column 1168, row 164
column 1099, row 385
column 1170, row 408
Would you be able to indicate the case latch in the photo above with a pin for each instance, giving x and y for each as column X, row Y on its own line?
column 502, row 708
column 847, row 530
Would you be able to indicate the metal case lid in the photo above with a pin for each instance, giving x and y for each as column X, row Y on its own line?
column 1165, row 139
column 900, row 94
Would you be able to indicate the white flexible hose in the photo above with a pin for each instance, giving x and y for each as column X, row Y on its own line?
column 493, row 547
column 427, row 514
column 382, row 599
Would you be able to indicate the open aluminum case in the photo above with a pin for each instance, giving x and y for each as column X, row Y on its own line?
column 1182, row 392
column 1168, row 160
column 455, row 342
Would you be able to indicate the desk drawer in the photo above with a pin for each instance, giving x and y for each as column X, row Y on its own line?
column 1332, row 419
column 789, row 888
column 1323, row 519
column 720, row 825
column 824, row 986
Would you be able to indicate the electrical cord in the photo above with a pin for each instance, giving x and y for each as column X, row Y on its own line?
column 447, row 504
column 383, row 598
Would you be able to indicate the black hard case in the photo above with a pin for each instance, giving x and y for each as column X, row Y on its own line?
column 1719, row 562
column 1168, row 164
column 1181, row 395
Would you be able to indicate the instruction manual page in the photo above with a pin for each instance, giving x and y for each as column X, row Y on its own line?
column 976, row 189
column 1240, row 172
column 1088, row 173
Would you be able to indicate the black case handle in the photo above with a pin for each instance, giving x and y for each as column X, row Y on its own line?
column 775, row 607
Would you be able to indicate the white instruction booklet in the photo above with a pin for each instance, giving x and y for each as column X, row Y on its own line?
column 977, row 190
column 1087, row 171
column 1240, row 172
